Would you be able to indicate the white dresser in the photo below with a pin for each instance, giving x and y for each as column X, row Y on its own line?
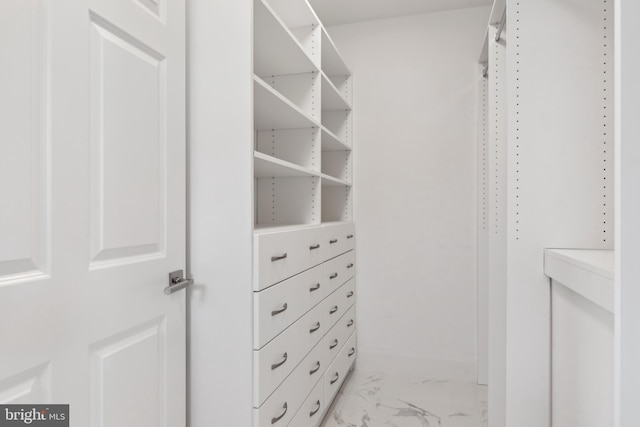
column 304, row 321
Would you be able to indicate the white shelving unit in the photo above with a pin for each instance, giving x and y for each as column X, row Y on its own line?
column 302, row 119
column 283, row 141
column 548, row 180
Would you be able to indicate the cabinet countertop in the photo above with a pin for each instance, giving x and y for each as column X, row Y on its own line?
column 588, row 272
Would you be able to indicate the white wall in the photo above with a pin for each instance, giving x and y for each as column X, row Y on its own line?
column 627, row 248
column 414, row 106
column 220, row 139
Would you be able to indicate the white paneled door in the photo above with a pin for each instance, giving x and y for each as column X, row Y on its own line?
column 92, row 208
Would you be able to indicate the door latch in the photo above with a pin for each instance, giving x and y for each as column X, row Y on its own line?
column 177, row 282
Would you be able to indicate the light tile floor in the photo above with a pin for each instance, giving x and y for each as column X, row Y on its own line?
column 373, row 399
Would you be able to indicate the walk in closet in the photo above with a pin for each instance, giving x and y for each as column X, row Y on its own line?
column 452, row 227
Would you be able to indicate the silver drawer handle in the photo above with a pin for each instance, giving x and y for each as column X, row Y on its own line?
column 350, row 265
column 279, row 417
column 277, row 365
column 314, row 370
column 350, row 323
column 333, row 276
column 334, row 309
column 350, row 236
column 350, row 294
column 278, row 258
column 315, row 328
column 314, row 288
column 284, row 308
column 332, row 241
column 334, row 345
column 352, row 352
column 316, row 246
column 312, row 413
column 335, row 379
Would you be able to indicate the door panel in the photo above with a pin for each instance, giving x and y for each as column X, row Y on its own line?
column 23, row 225
column 128, row 84
column 92, row 165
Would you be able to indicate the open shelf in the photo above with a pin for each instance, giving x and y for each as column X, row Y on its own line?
column 266, row 166
column 336, row 202
column 332, row 63
column 338, row 123
column 295, row 13
column 298, row 146
column 302, row 90
column 330, row 181
column 302, row 120
column 332, row 99
column 287, row 201
column 330, row 142
column 337, row 165
column 274, row 111
column 277, row 50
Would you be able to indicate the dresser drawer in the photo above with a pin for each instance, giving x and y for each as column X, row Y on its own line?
column 339, row 369
column 338, row 335
column 311, row 411
column 339, row 238
column 279, row 255
column 279, row 408
column 338, row 270
column 348, row 292
column 334, row 307
column 278, row 306
column 275, row 361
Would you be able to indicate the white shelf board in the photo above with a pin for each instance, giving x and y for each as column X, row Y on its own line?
column 328, row 180
column 331, row 61
column 274, row 111
column 270, row 228
column 588, row 272
column 330, row 142
column 332, row 223
column 332, row 99
column 276, row 51
column 497, row 10
column 265, row 166
column 295, row 13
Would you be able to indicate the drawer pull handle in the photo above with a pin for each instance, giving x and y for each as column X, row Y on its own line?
column 333, row 276
column 315, row 287
column 316, row 246
column 283, row 309
column 332, row 241
column 315, row 328
column 350, row 294
column 314, row 370
column 350, row 236
column 352, row 352
column 279, row 417
column 335, row 379
column 278, row 258
column 315, row 411
column 334, row 309
column 334, row 345
column 350, row 265
column 277, row 365
column 350, row 323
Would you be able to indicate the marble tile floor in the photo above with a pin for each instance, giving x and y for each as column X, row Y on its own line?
column 374, row 399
